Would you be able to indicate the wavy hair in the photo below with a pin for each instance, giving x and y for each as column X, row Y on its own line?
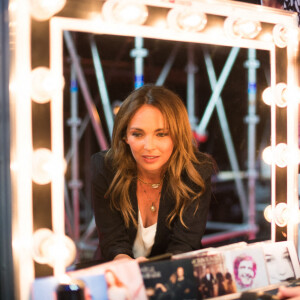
column 183, row 158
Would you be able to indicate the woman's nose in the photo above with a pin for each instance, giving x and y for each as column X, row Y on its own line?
column 149, row 143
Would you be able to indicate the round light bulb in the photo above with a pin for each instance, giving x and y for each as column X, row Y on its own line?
column 44, row 166
column 187, row 20
column 38, row 238
column 281, row 155
column 128, row 12
column 44, row 84
column 281, row 214
column 42, row 161
column 49, row 248
column 267, row 155
column 280, row 35
column 267, row 96
column 241, row 28
column 268, row 213
column 281, row 94
column 44, row 9
column 60, row 249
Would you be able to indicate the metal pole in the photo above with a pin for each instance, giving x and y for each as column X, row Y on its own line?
column 138, row 53
column 227, row 137
column 168, row 65
column 217, row 90
column 191, row 70
column 252, row 64
column 75, row 184
column 92, row 110
column 102, row 86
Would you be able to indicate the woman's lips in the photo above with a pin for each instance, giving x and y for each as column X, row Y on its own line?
column 150, row 158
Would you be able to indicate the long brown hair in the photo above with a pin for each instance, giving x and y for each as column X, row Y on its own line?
column 182, row 159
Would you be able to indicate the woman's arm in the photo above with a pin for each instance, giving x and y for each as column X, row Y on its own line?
column 113, row 236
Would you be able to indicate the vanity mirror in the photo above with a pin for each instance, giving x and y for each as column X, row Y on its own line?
column 229, row 24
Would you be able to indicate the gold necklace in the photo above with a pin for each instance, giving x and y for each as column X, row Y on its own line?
column 153, row 185
column 152, row 207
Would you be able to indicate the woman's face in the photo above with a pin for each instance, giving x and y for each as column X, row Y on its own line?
column 149, row 140
column 279, row 265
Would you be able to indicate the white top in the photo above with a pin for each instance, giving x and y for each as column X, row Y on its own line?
column 144, row 239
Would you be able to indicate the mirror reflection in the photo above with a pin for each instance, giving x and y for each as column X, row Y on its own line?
column 233, row 126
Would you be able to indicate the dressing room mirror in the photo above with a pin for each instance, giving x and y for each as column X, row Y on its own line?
column 220, row 72
column 188, row 69
column 220, row 64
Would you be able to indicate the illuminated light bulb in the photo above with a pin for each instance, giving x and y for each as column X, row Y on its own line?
column 125, row 11
column 38, row 238
column 280, row 36
column 60, row 249
column 44, row 84
column 268, row 213
column 41, row 166
column 44, row 166
column 160, row 23
column 281, row 94
column 187, row 20
column 267, row 96
column 49, row 248
column 240, row 28
column 267, row 155
column 281, row 215
column 281, row 154
column 42, row 10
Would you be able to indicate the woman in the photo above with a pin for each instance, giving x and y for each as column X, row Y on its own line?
column 116, row 290
column 151, row 190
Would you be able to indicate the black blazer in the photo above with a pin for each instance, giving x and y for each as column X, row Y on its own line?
column 115, row 238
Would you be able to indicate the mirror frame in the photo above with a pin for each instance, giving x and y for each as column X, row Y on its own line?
column 20, row 99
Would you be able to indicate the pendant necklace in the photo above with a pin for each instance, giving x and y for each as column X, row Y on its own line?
column 153, row 207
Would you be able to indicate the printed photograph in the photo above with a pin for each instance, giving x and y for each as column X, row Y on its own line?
column 248, row 267
column 169, row 280
column 279, row 263
column 213, row 278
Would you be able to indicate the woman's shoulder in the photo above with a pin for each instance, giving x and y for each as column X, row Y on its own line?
column 100, row 164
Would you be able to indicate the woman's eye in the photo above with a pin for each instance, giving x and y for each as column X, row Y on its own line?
column 162, row 134
column 137, row 134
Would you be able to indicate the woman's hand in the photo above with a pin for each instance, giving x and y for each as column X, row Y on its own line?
column 292, row 293
column 122, row 256
column 141, row 259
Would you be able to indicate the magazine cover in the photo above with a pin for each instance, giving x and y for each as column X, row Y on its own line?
column 45, row 288
column 212, row 276
column 170, row 279
column 282, row 261
column 123, row 279
column 248, row 267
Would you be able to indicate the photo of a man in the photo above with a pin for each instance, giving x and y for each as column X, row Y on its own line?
column 244, row 271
